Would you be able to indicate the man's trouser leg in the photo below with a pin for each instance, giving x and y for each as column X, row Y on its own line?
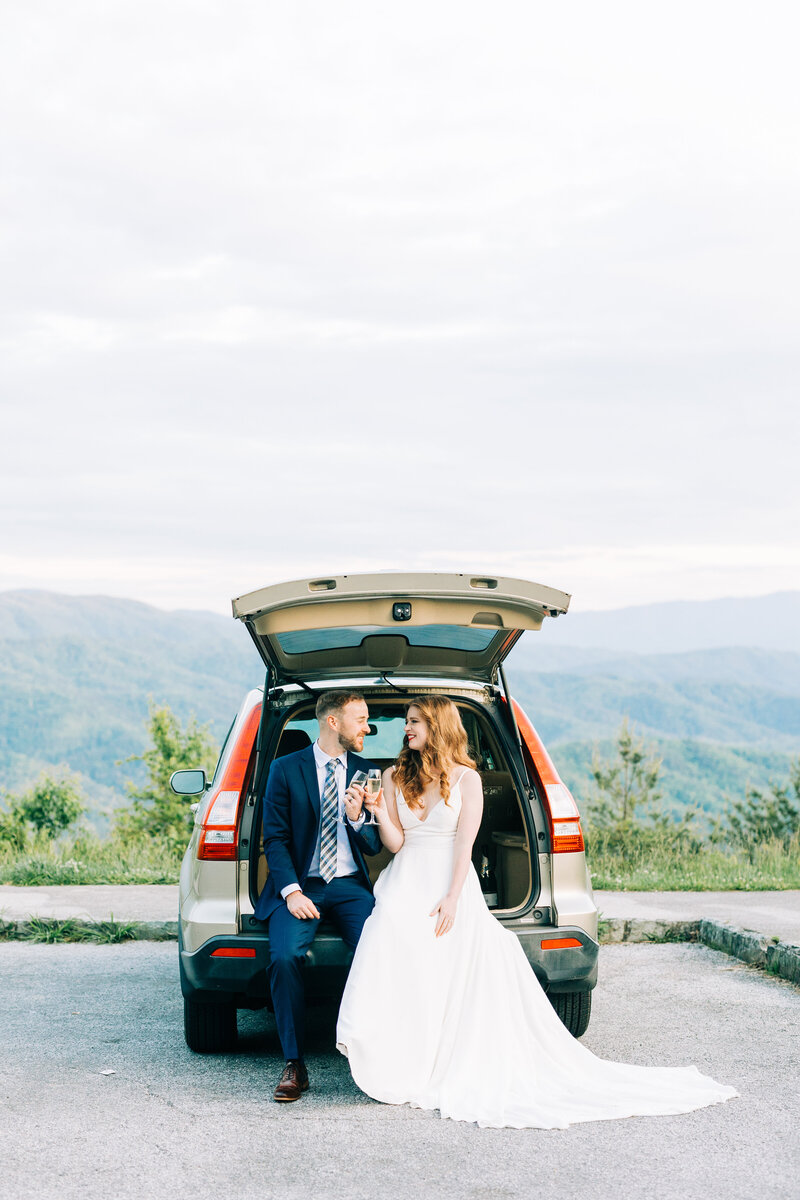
column 289, row 939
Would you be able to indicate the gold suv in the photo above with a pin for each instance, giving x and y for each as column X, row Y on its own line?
column 390, row 636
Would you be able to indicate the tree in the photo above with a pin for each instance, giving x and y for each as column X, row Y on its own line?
column 763, row 815
column 52, row 805
column 49, row 807
column 155, row 810
column 627, row 784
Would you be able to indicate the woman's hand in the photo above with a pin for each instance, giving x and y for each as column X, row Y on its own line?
column 354, row 801
column 375, row 805
column 446, row 910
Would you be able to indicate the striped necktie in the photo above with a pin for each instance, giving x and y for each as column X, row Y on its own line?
column 330, row 814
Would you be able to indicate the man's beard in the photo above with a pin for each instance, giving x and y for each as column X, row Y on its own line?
column 348, row 743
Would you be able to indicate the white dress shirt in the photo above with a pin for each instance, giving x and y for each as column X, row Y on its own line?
column 345, row 862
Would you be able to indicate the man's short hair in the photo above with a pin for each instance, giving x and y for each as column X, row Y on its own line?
column 334, row 702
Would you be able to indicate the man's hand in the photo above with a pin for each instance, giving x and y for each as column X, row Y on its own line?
column 354, row 801
column 301, row 907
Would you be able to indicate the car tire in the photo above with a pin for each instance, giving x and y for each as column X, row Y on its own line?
column 574, row 1009
column 209, row 1028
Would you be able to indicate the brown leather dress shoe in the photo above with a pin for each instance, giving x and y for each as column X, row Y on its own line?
column 292, row 1083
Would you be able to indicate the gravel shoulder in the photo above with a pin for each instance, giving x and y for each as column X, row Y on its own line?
column 167, row 1122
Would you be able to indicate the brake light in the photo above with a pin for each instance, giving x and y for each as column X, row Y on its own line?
column 219, row 836
column 565, row 820
column 551, row 943
column 233, row 952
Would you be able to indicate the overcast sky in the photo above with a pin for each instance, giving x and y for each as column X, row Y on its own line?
column 298, row 288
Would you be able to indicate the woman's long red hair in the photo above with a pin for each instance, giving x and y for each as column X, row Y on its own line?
column 446, row 747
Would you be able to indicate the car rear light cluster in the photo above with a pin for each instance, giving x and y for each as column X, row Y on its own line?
column 565, row 820
column 219, row 836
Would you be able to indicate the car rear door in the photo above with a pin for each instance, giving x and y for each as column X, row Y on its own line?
column 414, row 624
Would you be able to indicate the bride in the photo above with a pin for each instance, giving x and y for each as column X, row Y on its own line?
column 441, row 1009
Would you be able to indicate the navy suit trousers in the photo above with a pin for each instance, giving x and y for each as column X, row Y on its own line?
column 346, row 902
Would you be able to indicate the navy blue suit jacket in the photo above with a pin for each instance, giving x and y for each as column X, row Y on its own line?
column 291, row 825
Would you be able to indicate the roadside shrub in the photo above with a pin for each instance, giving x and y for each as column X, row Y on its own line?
column 155, row 810
column 763, row 815
column 50, row 807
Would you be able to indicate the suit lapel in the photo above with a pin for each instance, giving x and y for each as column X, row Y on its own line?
column 354, row 763
column 308, row 769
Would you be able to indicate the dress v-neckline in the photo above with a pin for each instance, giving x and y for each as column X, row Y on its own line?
column 423, row 820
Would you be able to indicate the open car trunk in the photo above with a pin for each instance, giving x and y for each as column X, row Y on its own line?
column 505, row 833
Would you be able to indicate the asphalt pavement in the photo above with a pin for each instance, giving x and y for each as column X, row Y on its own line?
column 102, row 1098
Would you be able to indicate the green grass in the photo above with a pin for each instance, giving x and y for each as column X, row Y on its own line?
column 648, row 861
column 90, row 860
column 51, row 930
column 659, row 864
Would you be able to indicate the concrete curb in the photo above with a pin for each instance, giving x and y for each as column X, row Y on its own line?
column 776, row 957
column 636, row 929
column 779, row 958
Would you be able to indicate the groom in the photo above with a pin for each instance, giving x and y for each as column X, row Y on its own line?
column 316, row 862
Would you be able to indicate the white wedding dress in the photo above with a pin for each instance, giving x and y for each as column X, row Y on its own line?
column 460, row 1022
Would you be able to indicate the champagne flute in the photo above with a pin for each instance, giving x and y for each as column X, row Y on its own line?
column 360, row 780
column 374, row 784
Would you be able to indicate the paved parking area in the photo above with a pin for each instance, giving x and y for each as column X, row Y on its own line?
column 169, row 1123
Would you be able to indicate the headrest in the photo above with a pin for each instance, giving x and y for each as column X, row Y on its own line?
column 291, row 741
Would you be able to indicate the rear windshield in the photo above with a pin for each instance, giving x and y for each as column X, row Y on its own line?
column 443, row 637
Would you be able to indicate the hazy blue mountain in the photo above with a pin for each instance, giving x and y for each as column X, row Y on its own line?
column 771, row 622
column 569, row 707
column 741, row 665
column 76, row 674
column 27, row 614
column 693, row 774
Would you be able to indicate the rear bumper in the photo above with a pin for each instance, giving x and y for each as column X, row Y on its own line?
column 560, row 968
column 210, row 976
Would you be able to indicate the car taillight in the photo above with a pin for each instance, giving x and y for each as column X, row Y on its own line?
column 219, row 836
column 565, row 820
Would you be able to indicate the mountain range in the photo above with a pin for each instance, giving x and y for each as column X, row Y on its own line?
column 76, row 674
column 674, row 627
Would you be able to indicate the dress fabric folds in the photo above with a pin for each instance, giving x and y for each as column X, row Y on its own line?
column 461, row 1024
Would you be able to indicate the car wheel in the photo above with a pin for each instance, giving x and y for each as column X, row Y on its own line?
column 574, row 1009
column 209, row 1028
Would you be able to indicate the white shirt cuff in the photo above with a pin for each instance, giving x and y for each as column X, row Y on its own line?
column 292, row 887
column 357, row 824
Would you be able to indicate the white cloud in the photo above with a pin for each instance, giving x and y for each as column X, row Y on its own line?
column 387, row 285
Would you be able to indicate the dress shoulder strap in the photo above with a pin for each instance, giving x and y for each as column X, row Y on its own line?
column 461, row 776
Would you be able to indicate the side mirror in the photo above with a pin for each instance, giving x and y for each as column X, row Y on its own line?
column 188, row 783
